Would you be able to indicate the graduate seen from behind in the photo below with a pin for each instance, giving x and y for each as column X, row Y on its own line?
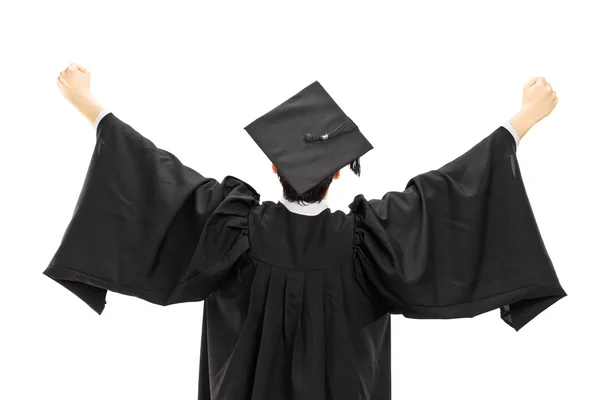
column 297, row 298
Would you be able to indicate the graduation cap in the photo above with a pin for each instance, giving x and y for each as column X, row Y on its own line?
column 308, row 137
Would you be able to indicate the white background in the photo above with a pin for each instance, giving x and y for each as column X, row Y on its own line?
column 424, row 82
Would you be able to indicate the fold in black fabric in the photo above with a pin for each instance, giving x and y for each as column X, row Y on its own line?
column 295, row 306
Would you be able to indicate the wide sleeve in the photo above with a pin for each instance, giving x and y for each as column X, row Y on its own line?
column 457, row 242
column 146, row 225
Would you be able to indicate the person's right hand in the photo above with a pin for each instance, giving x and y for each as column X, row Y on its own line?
column 538, row 99
column 538, row 102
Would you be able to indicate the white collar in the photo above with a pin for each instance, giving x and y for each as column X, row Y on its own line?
column 308, row 209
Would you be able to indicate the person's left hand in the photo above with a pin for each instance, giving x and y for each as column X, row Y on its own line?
column 74, row 82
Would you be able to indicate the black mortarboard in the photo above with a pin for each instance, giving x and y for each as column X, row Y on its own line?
column 308, row 138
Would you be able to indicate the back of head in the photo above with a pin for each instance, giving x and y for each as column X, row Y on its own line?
column 317, row 192
column 314, row 195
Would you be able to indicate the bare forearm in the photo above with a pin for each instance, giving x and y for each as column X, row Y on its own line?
column 88, row 106
column 522, row 123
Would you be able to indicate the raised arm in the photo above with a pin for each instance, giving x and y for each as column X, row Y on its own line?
column 462, row 239
column 145, row 224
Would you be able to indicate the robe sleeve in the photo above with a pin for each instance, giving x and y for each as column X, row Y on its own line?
column 146, row 225
column 457, row 242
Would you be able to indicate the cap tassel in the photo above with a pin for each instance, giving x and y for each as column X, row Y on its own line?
column 347, row 126
column 355, row 166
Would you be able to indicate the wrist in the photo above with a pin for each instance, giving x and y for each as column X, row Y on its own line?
column 88, row 106
column 522, row 122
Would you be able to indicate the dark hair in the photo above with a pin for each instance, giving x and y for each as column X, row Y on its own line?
column 315, row 194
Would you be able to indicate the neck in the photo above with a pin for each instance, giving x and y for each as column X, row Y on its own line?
column 304, row 209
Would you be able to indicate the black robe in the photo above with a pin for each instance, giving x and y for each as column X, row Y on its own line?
column 298, row 307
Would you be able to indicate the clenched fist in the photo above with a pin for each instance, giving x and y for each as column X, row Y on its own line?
column 538, row 99
column 538, row 102
column 74, row 84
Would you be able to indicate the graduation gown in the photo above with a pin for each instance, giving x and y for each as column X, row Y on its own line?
column 298, row 307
